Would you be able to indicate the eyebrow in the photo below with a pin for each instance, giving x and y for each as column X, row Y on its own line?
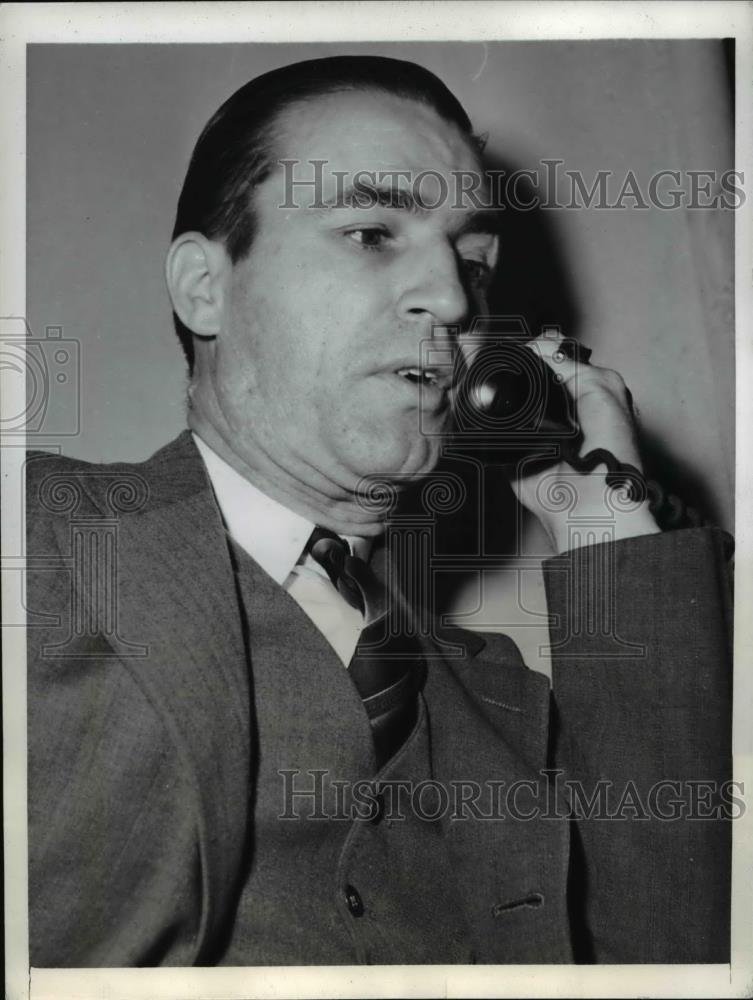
column 362, row 194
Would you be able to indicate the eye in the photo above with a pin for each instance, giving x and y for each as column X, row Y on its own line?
column 369, row 237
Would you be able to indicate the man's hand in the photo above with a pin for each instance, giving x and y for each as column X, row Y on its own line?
column 605, row 416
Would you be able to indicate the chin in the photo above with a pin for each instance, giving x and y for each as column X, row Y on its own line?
column 404, row 462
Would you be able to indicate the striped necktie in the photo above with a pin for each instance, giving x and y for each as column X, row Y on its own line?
column 388, row 667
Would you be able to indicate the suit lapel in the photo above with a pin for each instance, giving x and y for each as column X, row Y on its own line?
column 177, row 596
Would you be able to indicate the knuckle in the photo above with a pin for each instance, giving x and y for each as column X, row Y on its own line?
column 613, row 380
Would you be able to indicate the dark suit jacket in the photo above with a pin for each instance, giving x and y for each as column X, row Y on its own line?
column 140, row 731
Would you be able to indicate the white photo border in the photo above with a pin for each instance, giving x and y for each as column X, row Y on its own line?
column 101, row 23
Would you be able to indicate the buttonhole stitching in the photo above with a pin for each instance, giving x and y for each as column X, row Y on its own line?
column 533, row 901
column 501, row 704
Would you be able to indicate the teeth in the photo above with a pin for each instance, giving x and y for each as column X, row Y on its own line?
column 419, row 375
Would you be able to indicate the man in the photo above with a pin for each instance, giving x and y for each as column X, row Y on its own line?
column 191, row 739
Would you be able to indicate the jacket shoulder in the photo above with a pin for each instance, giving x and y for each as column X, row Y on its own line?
column 57, row 485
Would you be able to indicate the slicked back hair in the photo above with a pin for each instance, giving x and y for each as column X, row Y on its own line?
column 235, row 151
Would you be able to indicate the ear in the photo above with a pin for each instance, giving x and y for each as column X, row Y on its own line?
column 196, row 270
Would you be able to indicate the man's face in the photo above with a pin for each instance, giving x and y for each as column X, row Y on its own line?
column 325, row 318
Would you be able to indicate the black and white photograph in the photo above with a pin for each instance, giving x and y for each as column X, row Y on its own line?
column 371, row 436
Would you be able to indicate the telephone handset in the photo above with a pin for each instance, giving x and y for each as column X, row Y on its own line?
column 509, row 405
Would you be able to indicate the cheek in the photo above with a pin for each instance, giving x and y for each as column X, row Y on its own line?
column 268, row 365
column 299, row 329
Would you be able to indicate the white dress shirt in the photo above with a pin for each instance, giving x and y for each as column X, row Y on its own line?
column 275, row 537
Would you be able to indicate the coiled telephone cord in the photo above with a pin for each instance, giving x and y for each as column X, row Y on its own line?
column 669, row 511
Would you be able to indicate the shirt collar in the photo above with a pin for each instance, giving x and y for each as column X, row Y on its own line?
column 270, row 533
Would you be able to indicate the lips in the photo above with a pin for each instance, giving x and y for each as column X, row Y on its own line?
column 426, row 377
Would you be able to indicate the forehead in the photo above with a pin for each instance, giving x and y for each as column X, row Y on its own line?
column 371, row 131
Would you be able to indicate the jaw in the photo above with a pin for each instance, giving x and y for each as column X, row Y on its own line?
column 401, row 458
column 390, row 439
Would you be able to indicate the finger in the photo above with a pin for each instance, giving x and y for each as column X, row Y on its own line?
column 631, row 404
column 550, row 350
column 554, row 345
column 575, row 373
column 576, row 351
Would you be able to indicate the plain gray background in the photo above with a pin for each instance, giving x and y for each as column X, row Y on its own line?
column 110, row 131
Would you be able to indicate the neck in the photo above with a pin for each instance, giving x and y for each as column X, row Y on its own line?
column 344, row 512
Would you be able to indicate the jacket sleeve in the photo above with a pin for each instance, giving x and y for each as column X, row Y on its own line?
column 641, row 661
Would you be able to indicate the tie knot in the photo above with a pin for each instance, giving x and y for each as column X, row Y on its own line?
column 329, row 550
column 333, row 554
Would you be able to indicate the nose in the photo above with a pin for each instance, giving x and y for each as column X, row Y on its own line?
column 435, row 290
